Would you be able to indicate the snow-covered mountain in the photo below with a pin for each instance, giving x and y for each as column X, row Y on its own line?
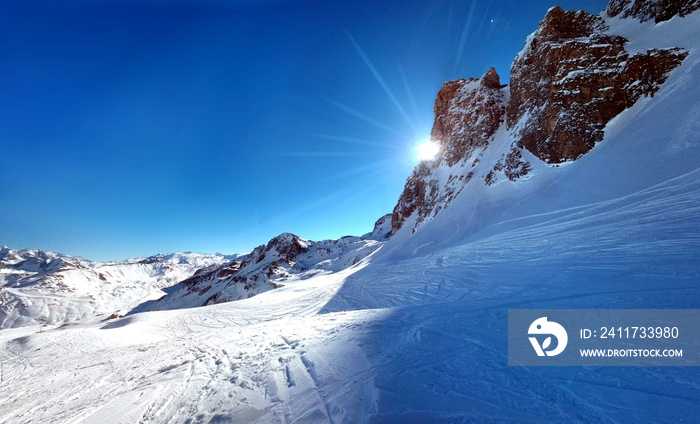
column 39, row 287
column 416, row 331
column 572, row 77
column 285, row 257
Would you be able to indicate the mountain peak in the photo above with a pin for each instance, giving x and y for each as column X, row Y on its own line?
column 467, row 115
column 491, row 79
column 572, row 77
column 560, row 25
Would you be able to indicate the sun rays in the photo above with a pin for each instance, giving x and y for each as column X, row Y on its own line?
column 392, row 152
column 401, row 151
column 463, row 38
column 382, row 83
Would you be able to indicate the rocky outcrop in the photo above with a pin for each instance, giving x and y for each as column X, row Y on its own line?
column 285, row 247
column 572, row 78
column 513, row 165
column 467, row 114
column 645, row 10
column 254, row 273
column 419, row 196
column 381, row 230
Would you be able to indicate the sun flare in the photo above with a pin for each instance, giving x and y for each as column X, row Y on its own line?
column 428, row 150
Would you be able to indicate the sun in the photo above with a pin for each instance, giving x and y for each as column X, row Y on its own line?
column 428, row 150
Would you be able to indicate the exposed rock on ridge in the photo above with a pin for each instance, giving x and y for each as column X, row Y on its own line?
column 467, row 114
column 39, row 287
column 645, row 10
column 572, row 78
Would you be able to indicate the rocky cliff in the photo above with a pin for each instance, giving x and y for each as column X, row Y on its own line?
column 467, row 115
column 571, row 78
column 645, row 10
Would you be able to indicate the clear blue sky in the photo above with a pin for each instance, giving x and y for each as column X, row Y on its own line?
column 133, row 127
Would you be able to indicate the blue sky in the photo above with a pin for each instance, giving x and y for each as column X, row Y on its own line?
column 129, row 128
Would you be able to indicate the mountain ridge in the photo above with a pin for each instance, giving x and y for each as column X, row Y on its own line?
column 571, row 78
column 38, row 287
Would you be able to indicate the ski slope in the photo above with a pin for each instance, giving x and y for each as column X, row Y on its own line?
column 416, row 332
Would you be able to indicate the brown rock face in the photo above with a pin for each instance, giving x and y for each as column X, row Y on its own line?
column 572, row 78
column 645, row 10
column 419, row 194
column 491, row 79
column 569, row 81
column 467, row 114
column 287, row 246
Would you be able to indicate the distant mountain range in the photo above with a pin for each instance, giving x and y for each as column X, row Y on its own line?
column 38, row 287
column 572, row 77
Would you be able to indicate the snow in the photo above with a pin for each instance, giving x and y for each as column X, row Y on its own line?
column 679, row 31
column 39, row 287
column 416, row 332
column 231, row 362
column 286, row 257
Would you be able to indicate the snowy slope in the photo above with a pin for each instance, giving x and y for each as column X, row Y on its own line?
column 285, row 258
column 50, row 288
column 39, row 287
column 648, row 144
column 618, row 228
column 416, row 332
column 268, row 357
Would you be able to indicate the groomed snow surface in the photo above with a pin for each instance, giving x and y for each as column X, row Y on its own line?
column 416, row 333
